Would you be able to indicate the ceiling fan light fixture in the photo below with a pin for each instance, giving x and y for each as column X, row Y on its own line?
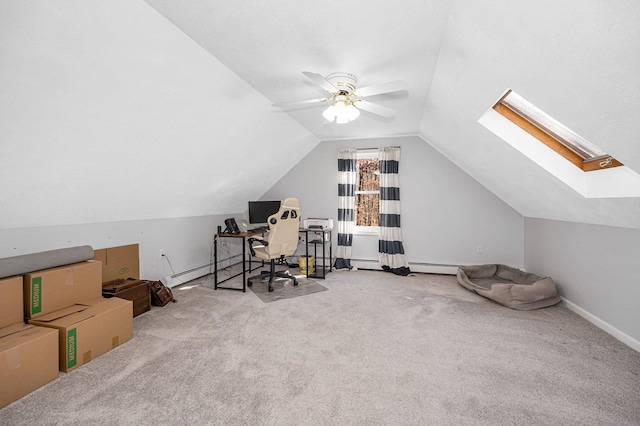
column 346, row 112
column 340, row 108
column 329, row 113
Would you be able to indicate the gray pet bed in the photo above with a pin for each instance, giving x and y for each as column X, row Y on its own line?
column 509, row 286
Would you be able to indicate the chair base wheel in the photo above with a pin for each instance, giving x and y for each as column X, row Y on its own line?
column 271, row 275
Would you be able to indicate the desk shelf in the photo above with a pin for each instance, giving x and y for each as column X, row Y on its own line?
column 320, row 240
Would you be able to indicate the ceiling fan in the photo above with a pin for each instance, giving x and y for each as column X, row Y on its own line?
column 345, row 98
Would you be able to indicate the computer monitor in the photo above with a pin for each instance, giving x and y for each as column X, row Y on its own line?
column 259, row 211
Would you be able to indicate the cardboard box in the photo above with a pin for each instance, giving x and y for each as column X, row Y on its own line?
column 28, row 360
column 11, row 306
column 52, row 289
column 119, row 262
column 89, row 329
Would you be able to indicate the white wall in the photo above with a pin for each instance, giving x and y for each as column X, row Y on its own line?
column 594, row 268
column 187, row 241
column 445, row 213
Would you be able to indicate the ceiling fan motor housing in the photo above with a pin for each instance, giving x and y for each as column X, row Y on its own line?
column 343, row 94
column 343, row 81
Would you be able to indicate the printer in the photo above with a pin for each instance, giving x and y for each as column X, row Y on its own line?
column 318, row 223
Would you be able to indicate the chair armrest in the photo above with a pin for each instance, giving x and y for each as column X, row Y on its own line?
column 254, row 239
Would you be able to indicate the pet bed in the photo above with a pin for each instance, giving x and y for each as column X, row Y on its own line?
column 509, row 286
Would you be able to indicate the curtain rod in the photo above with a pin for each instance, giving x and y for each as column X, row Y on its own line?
column 367, row 149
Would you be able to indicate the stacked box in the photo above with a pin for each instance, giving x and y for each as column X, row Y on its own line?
column 52, row 289
column 121, row 276
column 69, row 300
column 11, row 311
column 119, row 262
column 28, row 354
column 89, row 329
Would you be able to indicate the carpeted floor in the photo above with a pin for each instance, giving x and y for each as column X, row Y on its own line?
column 284, row 289
column 375, row 349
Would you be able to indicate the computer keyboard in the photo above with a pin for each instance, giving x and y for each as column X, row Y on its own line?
column 259, row 229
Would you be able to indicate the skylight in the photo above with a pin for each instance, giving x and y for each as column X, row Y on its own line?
column 552, row 133
column 559, row 150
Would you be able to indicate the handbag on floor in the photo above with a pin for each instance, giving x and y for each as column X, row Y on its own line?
column 160, row 294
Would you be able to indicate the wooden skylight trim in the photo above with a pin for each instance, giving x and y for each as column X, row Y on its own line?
column 587, row 158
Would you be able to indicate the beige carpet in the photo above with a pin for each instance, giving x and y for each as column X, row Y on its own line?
column 374, row 349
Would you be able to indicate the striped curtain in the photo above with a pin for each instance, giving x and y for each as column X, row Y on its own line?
column 390, row 248
column 346, row 206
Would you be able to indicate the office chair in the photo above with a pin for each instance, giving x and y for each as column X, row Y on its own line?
column 282, row 241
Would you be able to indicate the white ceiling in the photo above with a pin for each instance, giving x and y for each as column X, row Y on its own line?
column 270, row 44
column 577, row 60
column 110, row 94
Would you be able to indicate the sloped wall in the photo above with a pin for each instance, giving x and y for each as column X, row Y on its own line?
column 110, row 113
column 117, row 128
column 446, row 214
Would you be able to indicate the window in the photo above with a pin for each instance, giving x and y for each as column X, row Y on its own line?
column 367, row 193
column 550, row 132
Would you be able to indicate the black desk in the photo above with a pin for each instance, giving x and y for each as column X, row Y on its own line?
column 243, row 236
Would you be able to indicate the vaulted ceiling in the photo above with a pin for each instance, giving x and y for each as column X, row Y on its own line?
column 102, row 95
column 576, row 60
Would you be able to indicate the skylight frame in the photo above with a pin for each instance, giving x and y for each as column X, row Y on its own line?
column 573, row 147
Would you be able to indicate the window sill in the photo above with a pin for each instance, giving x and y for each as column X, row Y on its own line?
column 366, row 230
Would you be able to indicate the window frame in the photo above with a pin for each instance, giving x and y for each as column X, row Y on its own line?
column 357, row 229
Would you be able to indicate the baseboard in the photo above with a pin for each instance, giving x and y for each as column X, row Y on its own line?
column 608, row 328
column 200, row 271
column 426, row 268
column 173, row 280
column 178, row 278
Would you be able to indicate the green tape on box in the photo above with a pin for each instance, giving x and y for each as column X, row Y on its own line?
column 72, row 358
column 36, row 295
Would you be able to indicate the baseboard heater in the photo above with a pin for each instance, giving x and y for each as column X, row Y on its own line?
column 182, row 277
column 187, row 275
column 425, row 268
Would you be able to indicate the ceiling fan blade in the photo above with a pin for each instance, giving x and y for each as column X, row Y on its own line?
column 321, row 81
column 375, row 109
column 296, row 103
column 378, row 89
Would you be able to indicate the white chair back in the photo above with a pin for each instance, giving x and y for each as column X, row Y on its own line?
column 283, row 229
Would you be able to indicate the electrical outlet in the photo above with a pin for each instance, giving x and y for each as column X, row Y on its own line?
column 479, row 249
column 162, row 252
